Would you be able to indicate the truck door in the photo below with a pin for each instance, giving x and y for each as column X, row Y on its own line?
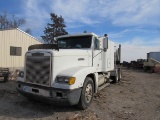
column 97, row 55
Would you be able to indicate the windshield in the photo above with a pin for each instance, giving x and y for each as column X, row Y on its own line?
column 74, row 42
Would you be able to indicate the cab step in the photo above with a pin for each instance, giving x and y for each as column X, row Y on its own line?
column 103, row 86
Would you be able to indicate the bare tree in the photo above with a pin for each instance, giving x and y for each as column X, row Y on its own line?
column 10, row 21
column 28, row 30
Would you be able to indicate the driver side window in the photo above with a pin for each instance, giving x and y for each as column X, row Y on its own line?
column 96, row 44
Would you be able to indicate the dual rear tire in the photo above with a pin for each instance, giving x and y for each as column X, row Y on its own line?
column 117, row 77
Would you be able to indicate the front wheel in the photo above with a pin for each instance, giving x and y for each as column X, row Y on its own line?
column 86, row 94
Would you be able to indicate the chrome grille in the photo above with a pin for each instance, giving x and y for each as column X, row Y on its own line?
column 38, row 69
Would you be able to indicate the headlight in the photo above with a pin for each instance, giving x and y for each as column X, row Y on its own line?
column 67, row 80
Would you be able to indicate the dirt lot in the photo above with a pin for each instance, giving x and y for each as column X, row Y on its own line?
column 136, row 97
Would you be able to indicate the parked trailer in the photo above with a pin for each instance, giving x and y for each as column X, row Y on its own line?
column 71, row 71
column 152, row 63
column 154, row 55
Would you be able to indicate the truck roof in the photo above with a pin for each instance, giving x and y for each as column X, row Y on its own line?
column 81, row 34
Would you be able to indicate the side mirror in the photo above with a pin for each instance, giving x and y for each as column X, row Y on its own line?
column 105, row 44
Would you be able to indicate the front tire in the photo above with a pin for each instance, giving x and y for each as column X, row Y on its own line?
column 86, row 94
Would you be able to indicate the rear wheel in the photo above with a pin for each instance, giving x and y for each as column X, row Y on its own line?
column 86, row 94
column 115, row 78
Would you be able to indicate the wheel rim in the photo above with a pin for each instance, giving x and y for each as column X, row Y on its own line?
column 88, row 93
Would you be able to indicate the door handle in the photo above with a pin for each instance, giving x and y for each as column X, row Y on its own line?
column 79, row 59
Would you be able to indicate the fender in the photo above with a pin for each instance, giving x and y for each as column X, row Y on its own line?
column 80, row 73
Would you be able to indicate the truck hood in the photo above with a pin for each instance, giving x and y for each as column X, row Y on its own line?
column 65, row 52
column 53, row 62
column 70, row 52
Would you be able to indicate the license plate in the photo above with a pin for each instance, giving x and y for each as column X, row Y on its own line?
column 36, row 91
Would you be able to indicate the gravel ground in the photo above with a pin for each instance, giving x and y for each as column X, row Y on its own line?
column 135, row 97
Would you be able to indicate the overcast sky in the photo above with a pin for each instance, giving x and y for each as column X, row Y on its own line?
column 133, row 23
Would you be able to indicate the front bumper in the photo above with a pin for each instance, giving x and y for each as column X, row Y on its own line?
column 49, row 95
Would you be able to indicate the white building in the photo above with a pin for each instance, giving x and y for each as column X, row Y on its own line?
column 13, row 45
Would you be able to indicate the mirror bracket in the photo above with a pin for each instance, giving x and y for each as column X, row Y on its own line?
column 105, row 44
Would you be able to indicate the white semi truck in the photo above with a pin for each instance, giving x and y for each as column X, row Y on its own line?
column 70, row 71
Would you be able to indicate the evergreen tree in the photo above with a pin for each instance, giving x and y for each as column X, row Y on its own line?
column 84, row 31
column 56, row 28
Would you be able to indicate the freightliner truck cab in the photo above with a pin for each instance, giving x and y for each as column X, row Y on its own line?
column 70, row 71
